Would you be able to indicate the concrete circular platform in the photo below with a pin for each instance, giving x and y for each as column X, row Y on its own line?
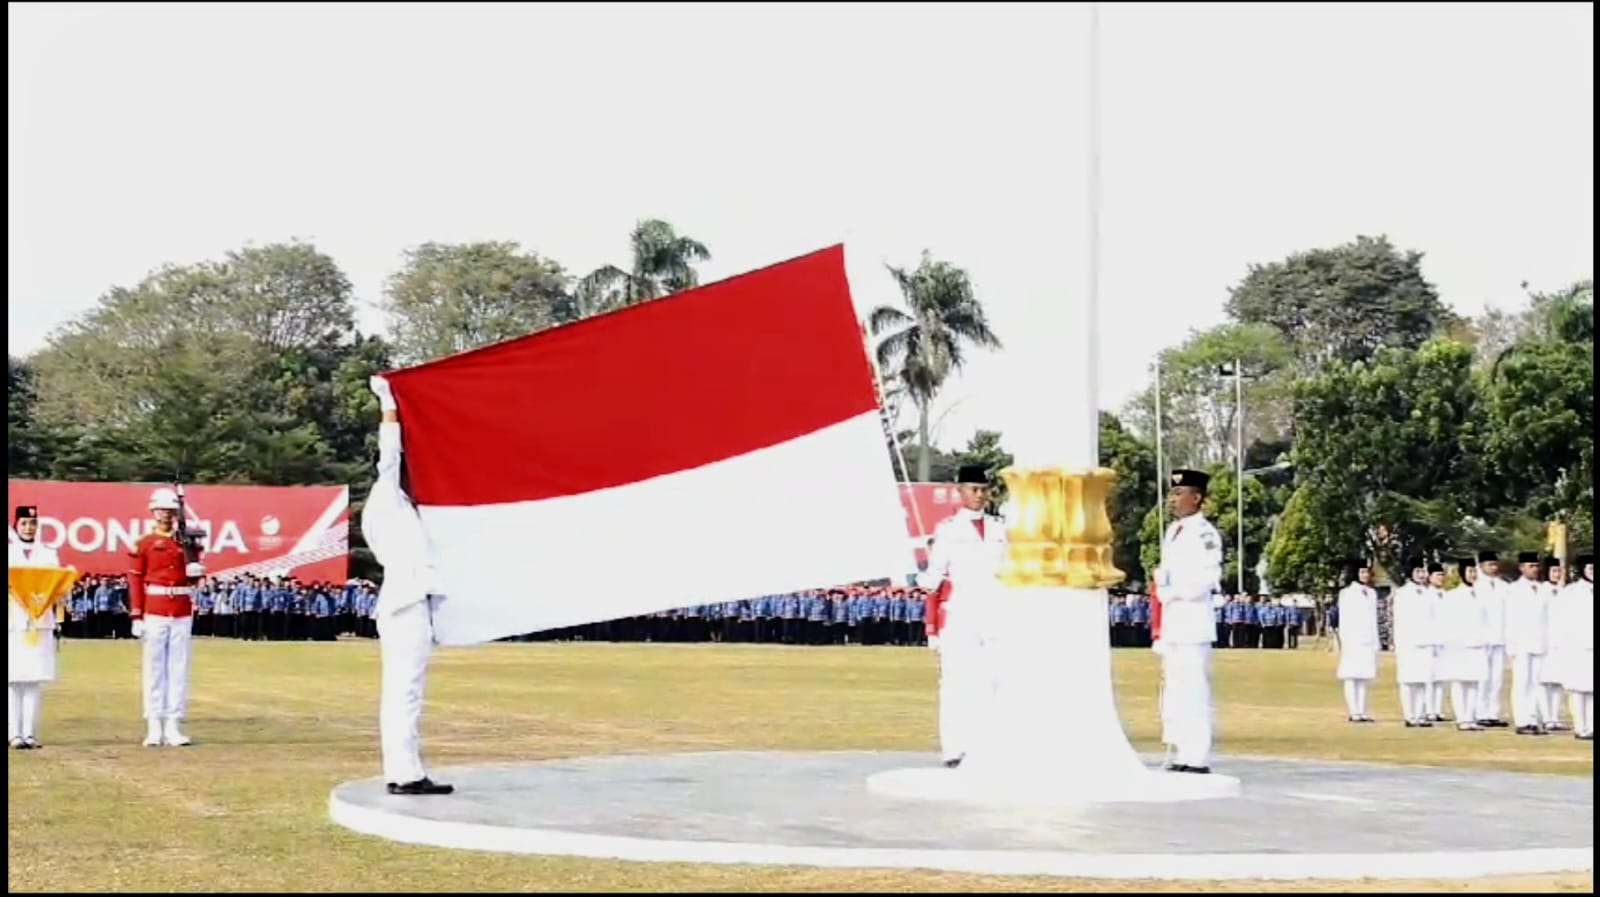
column 1294, row 819
column 1011, row 788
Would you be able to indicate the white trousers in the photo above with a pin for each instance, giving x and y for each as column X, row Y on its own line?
column 1436, row 698
column 1464, row 701
column 166, row 666
column 23, row 700
column 966, row 689
column 1186, row 703
column 1527, row 692
column 405, row 641
column 1414, row 701
column 1581, row 703
column 1355, row 696
column 1489, row 689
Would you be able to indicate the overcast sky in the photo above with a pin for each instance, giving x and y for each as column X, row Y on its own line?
column 141, row 135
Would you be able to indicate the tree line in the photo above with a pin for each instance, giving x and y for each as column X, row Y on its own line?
column 1378, row 420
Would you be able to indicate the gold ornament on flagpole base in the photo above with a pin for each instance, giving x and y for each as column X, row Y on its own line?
column 37, row 590
column 1060, row 534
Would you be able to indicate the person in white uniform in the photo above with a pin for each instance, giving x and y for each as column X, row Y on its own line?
column 1415, row 643
column 1527, row 634
column 1572, row 645
column 968, row 548
column 406, row 600
column 1189, row 575
column 1358, row 640
column 1555, row 580
column 30, row 662
column 1461, row 654
column 1490, row 590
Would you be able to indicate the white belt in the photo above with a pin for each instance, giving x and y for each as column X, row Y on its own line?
column 167, row 590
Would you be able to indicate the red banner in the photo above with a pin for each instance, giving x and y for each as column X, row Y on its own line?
column 302, row 531
column 926, row 505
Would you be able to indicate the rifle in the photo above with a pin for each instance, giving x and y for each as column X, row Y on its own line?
column 189, row 539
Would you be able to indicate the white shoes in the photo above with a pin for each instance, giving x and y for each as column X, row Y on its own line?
column 172, row 736
column 167, row 733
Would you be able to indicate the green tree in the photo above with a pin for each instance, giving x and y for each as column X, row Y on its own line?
column 1199, row 406
column 23, row 450
column 1310, row 543
column 1397, row 442
column 661, row 262
column 1135, row 494
column 449, row 298
column 927, row 341
column 1346, row 302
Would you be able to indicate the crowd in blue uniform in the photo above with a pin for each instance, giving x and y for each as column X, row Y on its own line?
column 256, row 608
column 250, row 608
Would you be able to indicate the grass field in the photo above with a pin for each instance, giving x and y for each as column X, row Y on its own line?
column 278, row 725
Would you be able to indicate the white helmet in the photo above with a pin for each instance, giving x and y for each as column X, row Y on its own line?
column 164, row 499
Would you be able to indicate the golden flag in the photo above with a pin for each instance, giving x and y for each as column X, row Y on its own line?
column 38, row 590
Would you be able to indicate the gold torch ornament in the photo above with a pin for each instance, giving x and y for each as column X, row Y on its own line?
column 38, row 590
column 1060, row 534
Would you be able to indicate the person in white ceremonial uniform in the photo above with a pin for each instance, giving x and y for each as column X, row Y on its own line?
column 1555, row 579
column 1462, row 661
column 1527, row 638
column 1189, row 575
column 30, row 662
column 1490, row 590
column 1572, row 645
column 968, row 548
column 1358, row 640
column 1415, row 645
column 406, row 599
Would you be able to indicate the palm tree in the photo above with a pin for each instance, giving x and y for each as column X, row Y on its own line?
column 928, row 340
column 663, row 262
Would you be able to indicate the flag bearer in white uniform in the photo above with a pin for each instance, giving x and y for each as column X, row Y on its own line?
column 1462, row 658
column 968, row 548
column 1358, row 640
column 1491, row 592
column 1527, row 638
column 30, row 662
column 1189, row 575
column 1415, row 643
column 1555, row 579
column 1572, row 645
column 406, row 599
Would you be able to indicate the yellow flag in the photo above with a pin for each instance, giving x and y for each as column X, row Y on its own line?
column 37, row 590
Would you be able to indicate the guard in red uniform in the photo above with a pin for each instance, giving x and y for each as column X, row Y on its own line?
column 160, row 587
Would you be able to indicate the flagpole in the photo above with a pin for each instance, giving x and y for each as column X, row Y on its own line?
column 1161, row 464
column 1050, row 733
column 894, row 438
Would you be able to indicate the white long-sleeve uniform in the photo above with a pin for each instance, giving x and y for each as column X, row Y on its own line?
column 28, row 666
column 394, row 532
column 1358, row 633
column 1189, row 575
column 1572, row 651
column 970, row 560
column 1527, row 639
column 1491, row 593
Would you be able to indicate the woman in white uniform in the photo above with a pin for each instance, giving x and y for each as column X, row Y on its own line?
column 1550, row 672
column 30, row 644
column 1358, row 640
column 1415, row 644
column 1572, row 645
column 1463, row 660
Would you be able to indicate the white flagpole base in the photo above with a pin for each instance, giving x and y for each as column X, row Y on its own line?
column 1051, row 735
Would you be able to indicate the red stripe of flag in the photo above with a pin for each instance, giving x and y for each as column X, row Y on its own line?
column 698, row 377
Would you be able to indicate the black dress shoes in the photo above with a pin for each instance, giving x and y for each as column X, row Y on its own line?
column 423, row 785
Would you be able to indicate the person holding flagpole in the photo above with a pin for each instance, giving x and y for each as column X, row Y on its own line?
column 406, row 601
column 30, row 643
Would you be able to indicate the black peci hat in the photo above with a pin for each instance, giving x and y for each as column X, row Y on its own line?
column 1194, row 479
column 975, row 474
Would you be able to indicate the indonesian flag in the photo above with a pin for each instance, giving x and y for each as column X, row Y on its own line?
column 718, row 444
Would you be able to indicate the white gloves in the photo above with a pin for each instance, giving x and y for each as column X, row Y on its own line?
column 195, row 569
column 138, row 628
column 380, row 387
column 933, row 643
